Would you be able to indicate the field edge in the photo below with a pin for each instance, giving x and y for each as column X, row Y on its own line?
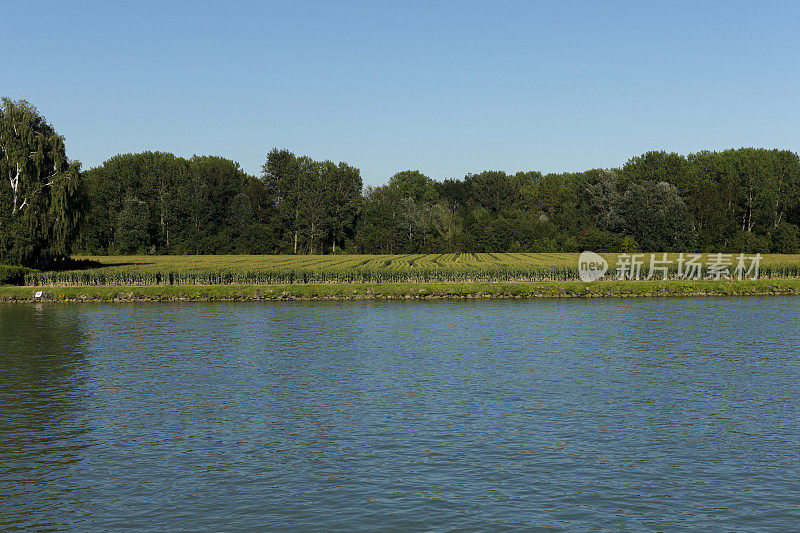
column 400, row 291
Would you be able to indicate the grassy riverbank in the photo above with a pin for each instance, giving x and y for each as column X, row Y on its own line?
column 403, row 291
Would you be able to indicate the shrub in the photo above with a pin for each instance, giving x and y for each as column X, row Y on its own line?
column 13, row 275
column 749, row 243
column 786, row 239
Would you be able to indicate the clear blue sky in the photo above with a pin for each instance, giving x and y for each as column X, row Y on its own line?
column 444, row 87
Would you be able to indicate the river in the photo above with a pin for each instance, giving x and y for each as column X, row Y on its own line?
column 542, row 415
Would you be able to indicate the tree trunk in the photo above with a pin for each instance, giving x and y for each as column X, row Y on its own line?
column 295, row 242
column 15, row 182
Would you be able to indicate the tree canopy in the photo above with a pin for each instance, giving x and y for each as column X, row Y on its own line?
column 40, row 201
column 738, row 200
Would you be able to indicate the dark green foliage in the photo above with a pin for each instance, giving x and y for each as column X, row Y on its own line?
column 405, row 216
column 656, row 217
column 13, row 275
column 739, row 200
column 39, row 191
column 133, row 223
column 316, row 203
column 600, row 240
column 734, row 200
column 744, row 200
column 159, row 203
column 749, row 242
column 786, row 239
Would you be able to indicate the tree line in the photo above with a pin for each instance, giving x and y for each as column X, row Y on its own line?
column 736, row 200
column 154, row 202
column 739, row 200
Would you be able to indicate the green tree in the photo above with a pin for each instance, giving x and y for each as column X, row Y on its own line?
column 152, row 177
column 654, row 214
column 660, row 166
column 313, row 206
column 415, row 185
column 780, row 192
column 378, row 228
column 284, row 176
column 315, row 203
column 603, row 196
column 343, row 183
column 133, row 227
column 493, row 190
column 786, row 239
column 420, row 224
column 712, row 199
column 40, row 203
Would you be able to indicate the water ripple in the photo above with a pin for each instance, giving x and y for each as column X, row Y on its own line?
column 653, row 414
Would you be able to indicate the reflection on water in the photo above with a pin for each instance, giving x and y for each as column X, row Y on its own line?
column 45, row 429
column 615, row 414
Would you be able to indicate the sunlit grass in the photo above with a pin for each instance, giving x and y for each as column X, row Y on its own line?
column 405, row 291
column 326, row 269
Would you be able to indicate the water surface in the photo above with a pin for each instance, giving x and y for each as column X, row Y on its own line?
column 646, row 414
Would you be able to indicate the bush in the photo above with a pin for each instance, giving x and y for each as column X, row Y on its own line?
column 600, row 240
column 786, row 239
column 749, row 243
column 13, row 275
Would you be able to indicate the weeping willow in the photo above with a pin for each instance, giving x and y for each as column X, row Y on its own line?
column 39, row 188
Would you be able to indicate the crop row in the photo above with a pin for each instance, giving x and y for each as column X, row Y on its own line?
column 290, row 276
column 366, row 274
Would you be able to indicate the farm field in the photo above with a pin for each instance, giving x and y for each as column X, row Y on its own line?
column 326, row 269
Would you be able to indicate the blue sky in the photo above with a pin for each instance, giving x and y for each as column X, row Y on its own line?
column 444, row 87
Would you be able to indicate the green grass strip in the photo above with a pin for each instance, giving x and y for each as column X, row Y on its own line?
column 402, row 291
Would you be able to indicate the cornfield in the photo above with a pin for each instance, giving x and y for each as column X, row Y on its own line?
column 276, row 269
